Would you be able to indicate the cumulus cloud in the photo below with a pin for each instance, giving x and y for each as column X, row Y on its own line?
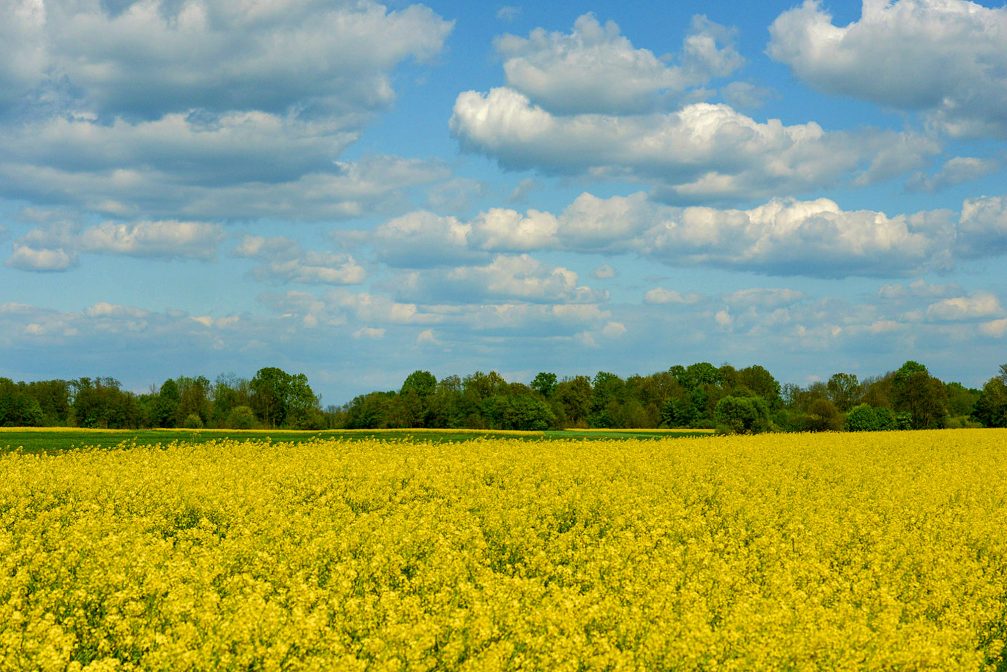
column 23, row 66
column 944, row 57
column 982, row 227
column 28, row 258
column 955, row 170
column 663, row 295
column 169, row 239
column 994, row 328
column 604, row 272
column 971, row 307
column 369, row 332
column 285, row 261
column 422, row 239
column 613, row 330
column 596, row 69
column 57, row 246
column 506, row 230
column 154, row 57
column 205, row 109
column 763, row 297
column 783, row 236
column 506, row 277
column 701, row 151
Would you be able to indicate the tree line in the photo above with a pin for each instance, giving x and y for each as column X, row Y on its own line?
column 700, row 395
column 272, row 398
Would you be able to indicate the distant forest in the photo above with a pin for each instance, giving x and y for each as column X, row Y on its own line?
column 701, row 395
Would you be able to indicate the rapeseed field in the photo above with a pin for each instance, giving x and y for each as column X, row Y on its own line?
column 797, row 552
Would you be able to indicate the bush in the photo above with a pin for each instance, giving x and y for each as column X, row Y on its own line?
column 742, row 415
column 823, row 416
column 867, row 418
column 193, row 421
column 241, row 417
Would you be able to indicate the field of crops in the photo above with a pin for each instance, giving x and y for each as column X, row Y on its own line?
column 803, row 552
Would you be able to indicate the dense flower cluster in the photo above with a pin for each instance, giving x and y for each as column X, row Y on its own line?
column 868, row 551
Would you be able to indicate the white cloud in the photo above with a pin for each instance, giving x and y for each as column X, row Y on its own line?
column 745, row 96
column 194, row 240
column 154, row 57
column 662, row 296
column 369, row 333
column 762, row 297
column 959, row 308
column 596, row 69
column 22, row 36
column 422, row 239
column 982, row 227
column 955, row 170
column 505, row 277
column 918, row 288
column 285, row 261
column 994, row 328
column 315, row 268
column 508, row 13
column 945, row 57
column 28, row 258
column 701, row 151
column 427, row 337
column 205, row 109
column 505, row 230
column 789, row 237
column 604, row 272
column 613, row 330
column 57, row 245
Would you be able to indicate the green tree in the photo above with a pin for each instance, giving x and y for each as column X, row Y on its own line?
column 823, row 416
column 574, row 397
column 607, row 396
column 991, row 406
column 843, row 390
column 867, row 418
column 17, row 407
column 414, row 399
column 281, row 399
column 241, row 417
column 920, row 395
column 742, row 415
column 369, row 411
column 193, row 399
column 102, row 403
column 229, row 392
column 53, row 397
column 760, row 382
column 545, row 383
column 165, row 406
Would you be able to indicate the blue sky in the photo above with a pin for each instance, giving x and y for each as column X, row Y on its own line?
column 355, row 190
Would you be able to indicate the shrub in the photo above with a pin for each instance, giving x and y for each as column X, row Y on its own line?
column 742, row 415
column 193, row 421
column 241, row 417
column 867, row 418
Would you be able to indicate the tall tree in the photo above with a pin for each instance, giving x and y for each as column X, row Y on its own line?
column 920, row 395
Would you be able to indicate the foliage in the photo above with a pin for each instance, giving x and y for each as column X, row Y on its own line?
column 742, row 415
column 681, row 397
column 281, row 399
column 102, row 403
column 777, row 552
column 193, row 421
column 241, row 417
column 921, row 396
column 17, row 407
column 866, row 418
